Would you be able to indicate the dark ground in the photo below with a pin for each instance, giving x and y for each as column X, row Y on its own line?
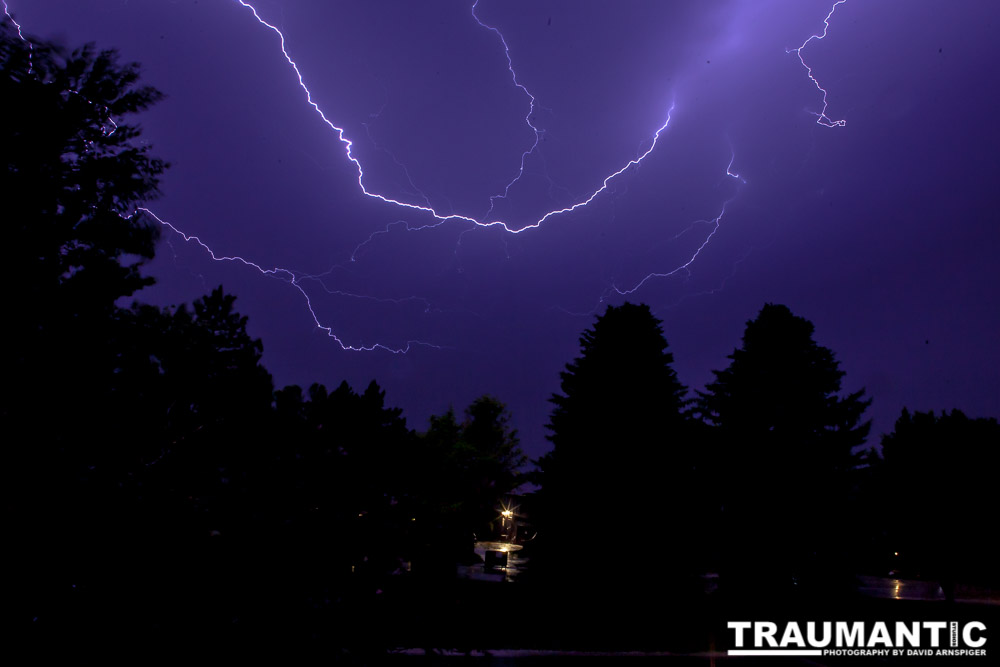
column 431, row 623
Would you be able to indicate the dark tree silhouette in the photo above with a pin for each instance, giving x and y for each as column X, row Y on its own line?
column 350, row 481
column 466, row 469
column 214, row 409
column 786, row 452
column 127, row 420
column 494, row 459
column 72, row 174
column 612, row 487
column 156, row 488
column 939, row 477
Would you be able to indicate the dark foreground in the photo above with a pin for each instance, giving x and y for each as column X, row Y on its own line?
column 152, row 615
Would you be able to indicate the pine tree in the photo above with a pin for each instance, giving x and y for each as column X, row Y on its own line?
column 613, row 482
column 787, row 450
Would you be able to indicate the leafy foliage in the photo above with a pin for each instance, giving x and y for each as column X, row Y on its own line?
column 73, row 175
column 469, row 466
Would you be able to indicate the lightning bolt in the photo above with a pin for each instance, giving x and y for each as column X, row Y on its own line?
column 429, row 307
column 378, row 147
column 17, row 27
column 405, row 225
column 31, row 69
column 729, row 169
column 442, row 217
column 294, row 279
column 714, row 223
column 290, row 277
column 821, row 117
column 285, row 275
column 527, row 118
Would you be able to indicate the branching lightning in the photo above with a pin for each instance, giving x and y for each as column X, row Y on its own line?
column 821, row 117
column 683, row 268
column 442, row 217
column 527, row 118
column 428, row 306
column 388, row 228
column 285, row 275
column 379, row 147
column 295, row 279
column 714, row 223
column 292, row 279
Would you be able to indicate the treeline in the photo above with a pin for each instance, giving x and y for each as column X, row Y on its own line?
column 764, row 478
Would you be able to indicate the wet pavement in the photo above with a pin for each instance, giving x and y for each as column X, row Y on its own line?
column 478, row 571
column 916, row 589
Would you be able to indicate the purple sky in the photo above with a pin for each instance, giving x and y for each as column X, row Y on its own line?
column 883, row 232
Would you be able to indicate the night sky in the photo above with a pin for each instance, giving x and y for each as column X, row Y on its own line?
column 882, row 232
